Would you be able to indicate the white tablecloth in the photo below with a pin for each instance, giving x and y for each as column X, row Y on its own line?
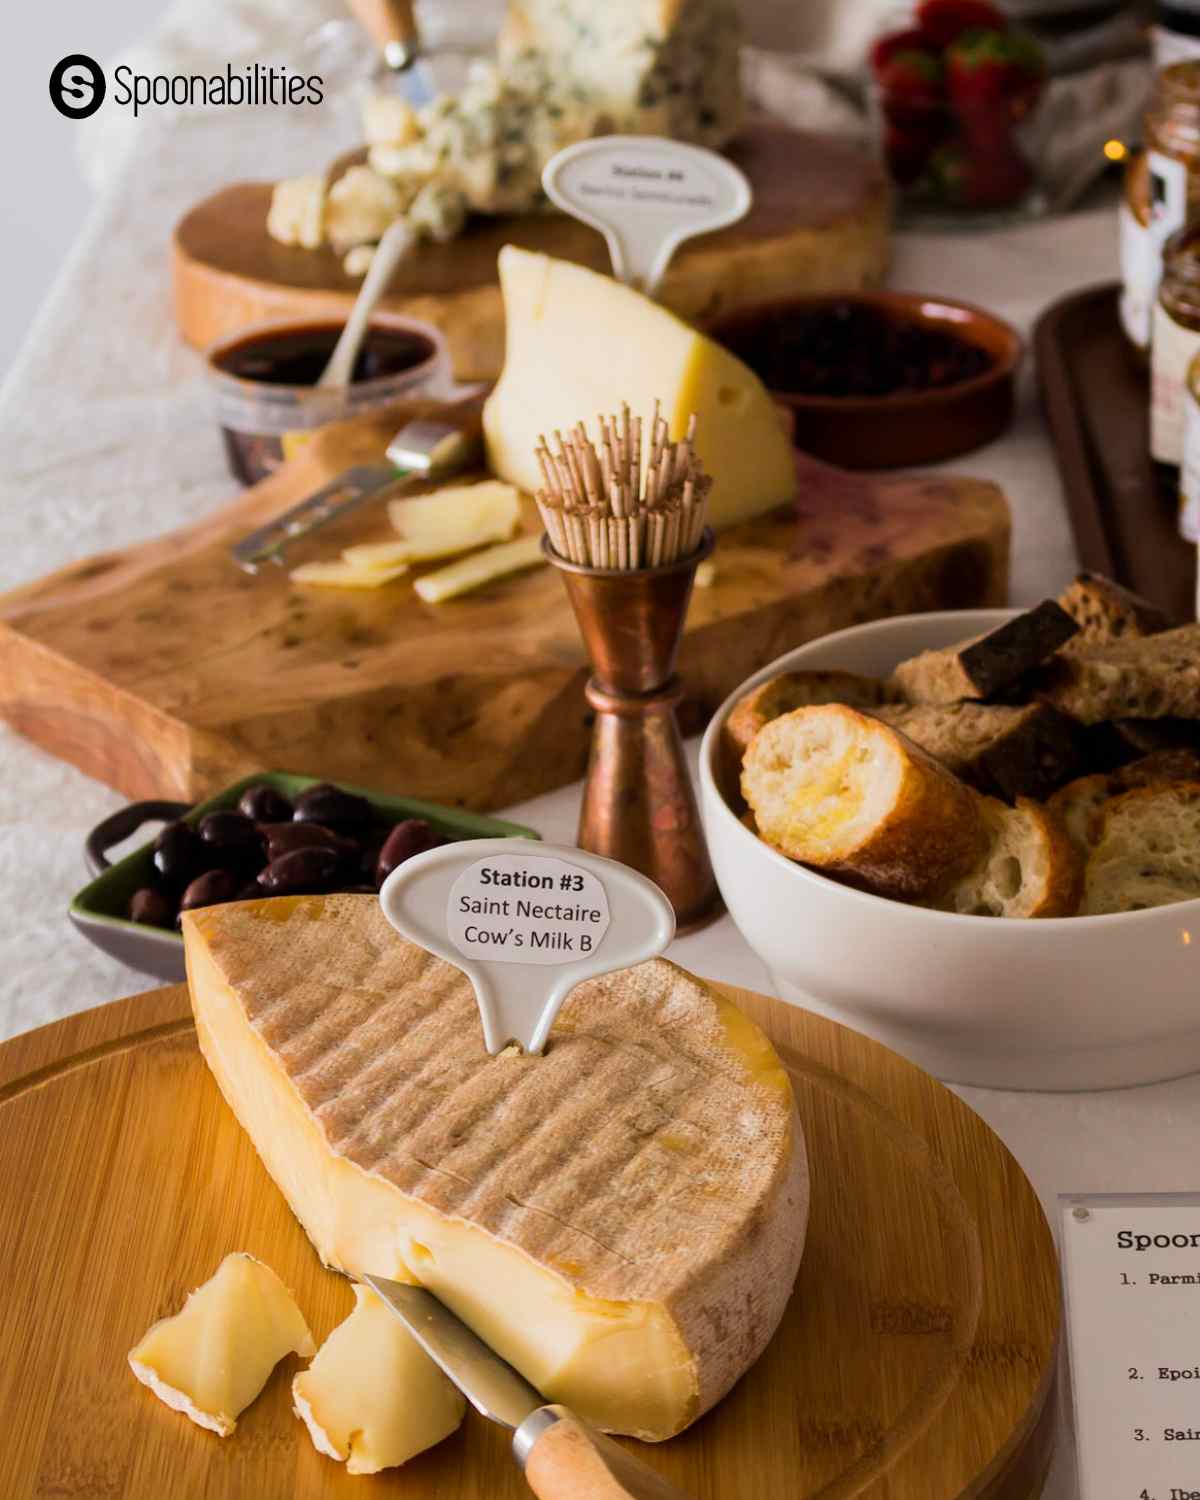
column 107, row 439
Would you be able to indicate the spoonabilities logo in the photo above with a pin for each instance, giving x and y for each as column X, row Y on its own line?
column 77, row 86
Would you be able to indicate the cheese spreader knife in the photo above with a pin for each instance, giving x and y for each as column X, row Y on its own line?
column 561, row 1456
column 392, row 26
column 421, row 450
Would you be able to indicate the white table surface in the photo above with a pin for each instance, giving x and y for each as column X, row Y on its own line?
column 107, row 439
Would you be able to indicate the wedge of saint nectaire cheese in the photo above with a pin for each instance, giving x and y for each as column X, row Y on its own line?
column 621, row 1218
column 579, row 344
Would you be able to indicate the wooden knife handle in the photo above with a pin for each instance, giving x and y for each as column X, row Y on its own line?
column 571, row 1461
column 390, row 24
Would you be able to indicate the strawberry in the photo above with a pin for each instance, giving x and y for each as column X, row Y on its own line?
column 887, row 46
column 944, row 21
column 910, row 79
column 994, row 74
column 981, row 173
column 906, row 150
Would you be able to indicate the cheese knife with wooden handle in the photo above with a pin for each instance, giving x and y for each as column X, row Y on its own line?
column 392, row 26
column 562, row 1457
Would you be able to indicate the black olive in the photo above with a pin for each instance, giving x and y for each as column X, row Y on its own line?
column 210, row 889
column 413, row 836
column 233, row 837
column 328, row 804
column 263, row 804
column 284, row 838
column 150, row 907
column 302, row 870
column 180, row 855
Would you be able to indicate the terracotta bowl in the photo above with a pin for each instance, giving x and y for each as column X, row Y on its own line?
column 910, row 427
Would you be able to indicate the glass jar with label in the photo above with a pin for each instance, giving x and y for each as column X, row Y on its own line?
column 1189, row 469
column 1161, row 190
column 1175, row 341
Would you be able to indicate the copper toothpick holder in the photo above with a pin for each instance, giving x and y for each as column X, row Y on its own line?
column 638, row 803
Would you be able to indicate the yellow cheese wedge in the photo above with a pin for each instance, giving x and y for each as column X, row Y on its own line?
column 621, row 1218
column 480, row 568
column 373, row 1398
column 340, row 574
column 579, row 344
column 211, row 1359
column 451, row 520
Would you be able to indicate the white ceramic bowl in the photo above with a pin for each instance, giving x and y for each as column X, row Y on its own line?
column 1064, row 1003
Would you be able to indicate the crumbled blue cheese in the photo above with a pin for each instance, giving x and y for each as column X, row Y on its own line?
column 566, row 70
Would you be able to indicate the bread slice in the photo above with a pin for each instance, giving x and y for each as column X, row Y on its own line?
column 1029, row 869
column 792, row 690
column 1147, row 850
column 838, row 790
column 984, row 666
column 1119, row 741
column 1152, row 677
column 1009, row 751
column 1104, row 611
column 1077, row 804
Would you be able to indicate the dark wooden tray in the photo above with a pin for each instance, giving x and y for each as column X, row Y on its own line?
column 1095, row 398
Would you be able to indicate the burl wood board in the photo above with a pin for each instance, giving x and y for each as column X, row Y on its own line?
column 915, row 1361
column 165, row 670
column 820, row 221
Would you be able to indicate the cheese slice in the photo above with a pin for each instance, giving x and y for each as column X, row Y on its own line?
column 579, row 344
column 621, row 1218
column 479, row 568
column 213, row 1357
column 338, row 573
column 451, row 520
column 373, row 1398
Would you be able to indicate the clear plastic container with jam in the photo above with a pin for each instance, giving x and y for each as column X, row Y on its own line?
column 1162, row 191
column 264, row 382
column 1175, row 341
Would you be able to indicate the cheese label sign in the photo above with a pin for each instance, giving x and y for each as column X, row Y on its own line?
column 1131, row 1266
column 526, row 922
column 527, row 909
column 645, row 195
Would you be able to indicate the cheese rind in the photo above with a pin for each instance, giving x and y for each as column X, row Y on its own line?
column 621, row 1218
column 372, row 1398
column 579, row 344
column 212, row 1358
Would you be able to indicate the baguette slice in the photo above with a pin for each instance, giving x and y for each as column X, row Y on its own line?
column 838, row 790
column 1104, row 611
column 1077, row 804
column 982, row 667
column 1154, row 677
column 792, row 690
column 1147, row 850
column 1003, row 750
column 1030, row 868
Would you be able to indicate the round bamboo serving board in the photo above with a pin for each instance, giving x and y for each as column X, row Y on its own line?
column 916, row 1360
column 820, row 221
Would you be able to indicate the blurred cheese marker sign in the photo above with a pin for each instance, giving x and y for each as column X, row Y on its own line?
column 645, row 195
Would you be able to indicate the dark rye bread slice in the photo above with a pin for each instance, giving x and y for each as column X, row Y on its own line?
column 792, row 690
column 980, row 668
column 1104, row 611
column 1119, row 741
column 1007, row 751
column 1154, row 677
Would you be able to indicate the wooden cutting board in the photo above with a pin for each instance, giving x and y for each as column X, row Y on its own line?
column 165, row 670
column 820, row 220
column 916, row 1360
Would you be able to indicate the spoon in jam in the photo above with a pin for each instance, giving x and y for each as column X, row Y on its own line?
column 397, row 241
